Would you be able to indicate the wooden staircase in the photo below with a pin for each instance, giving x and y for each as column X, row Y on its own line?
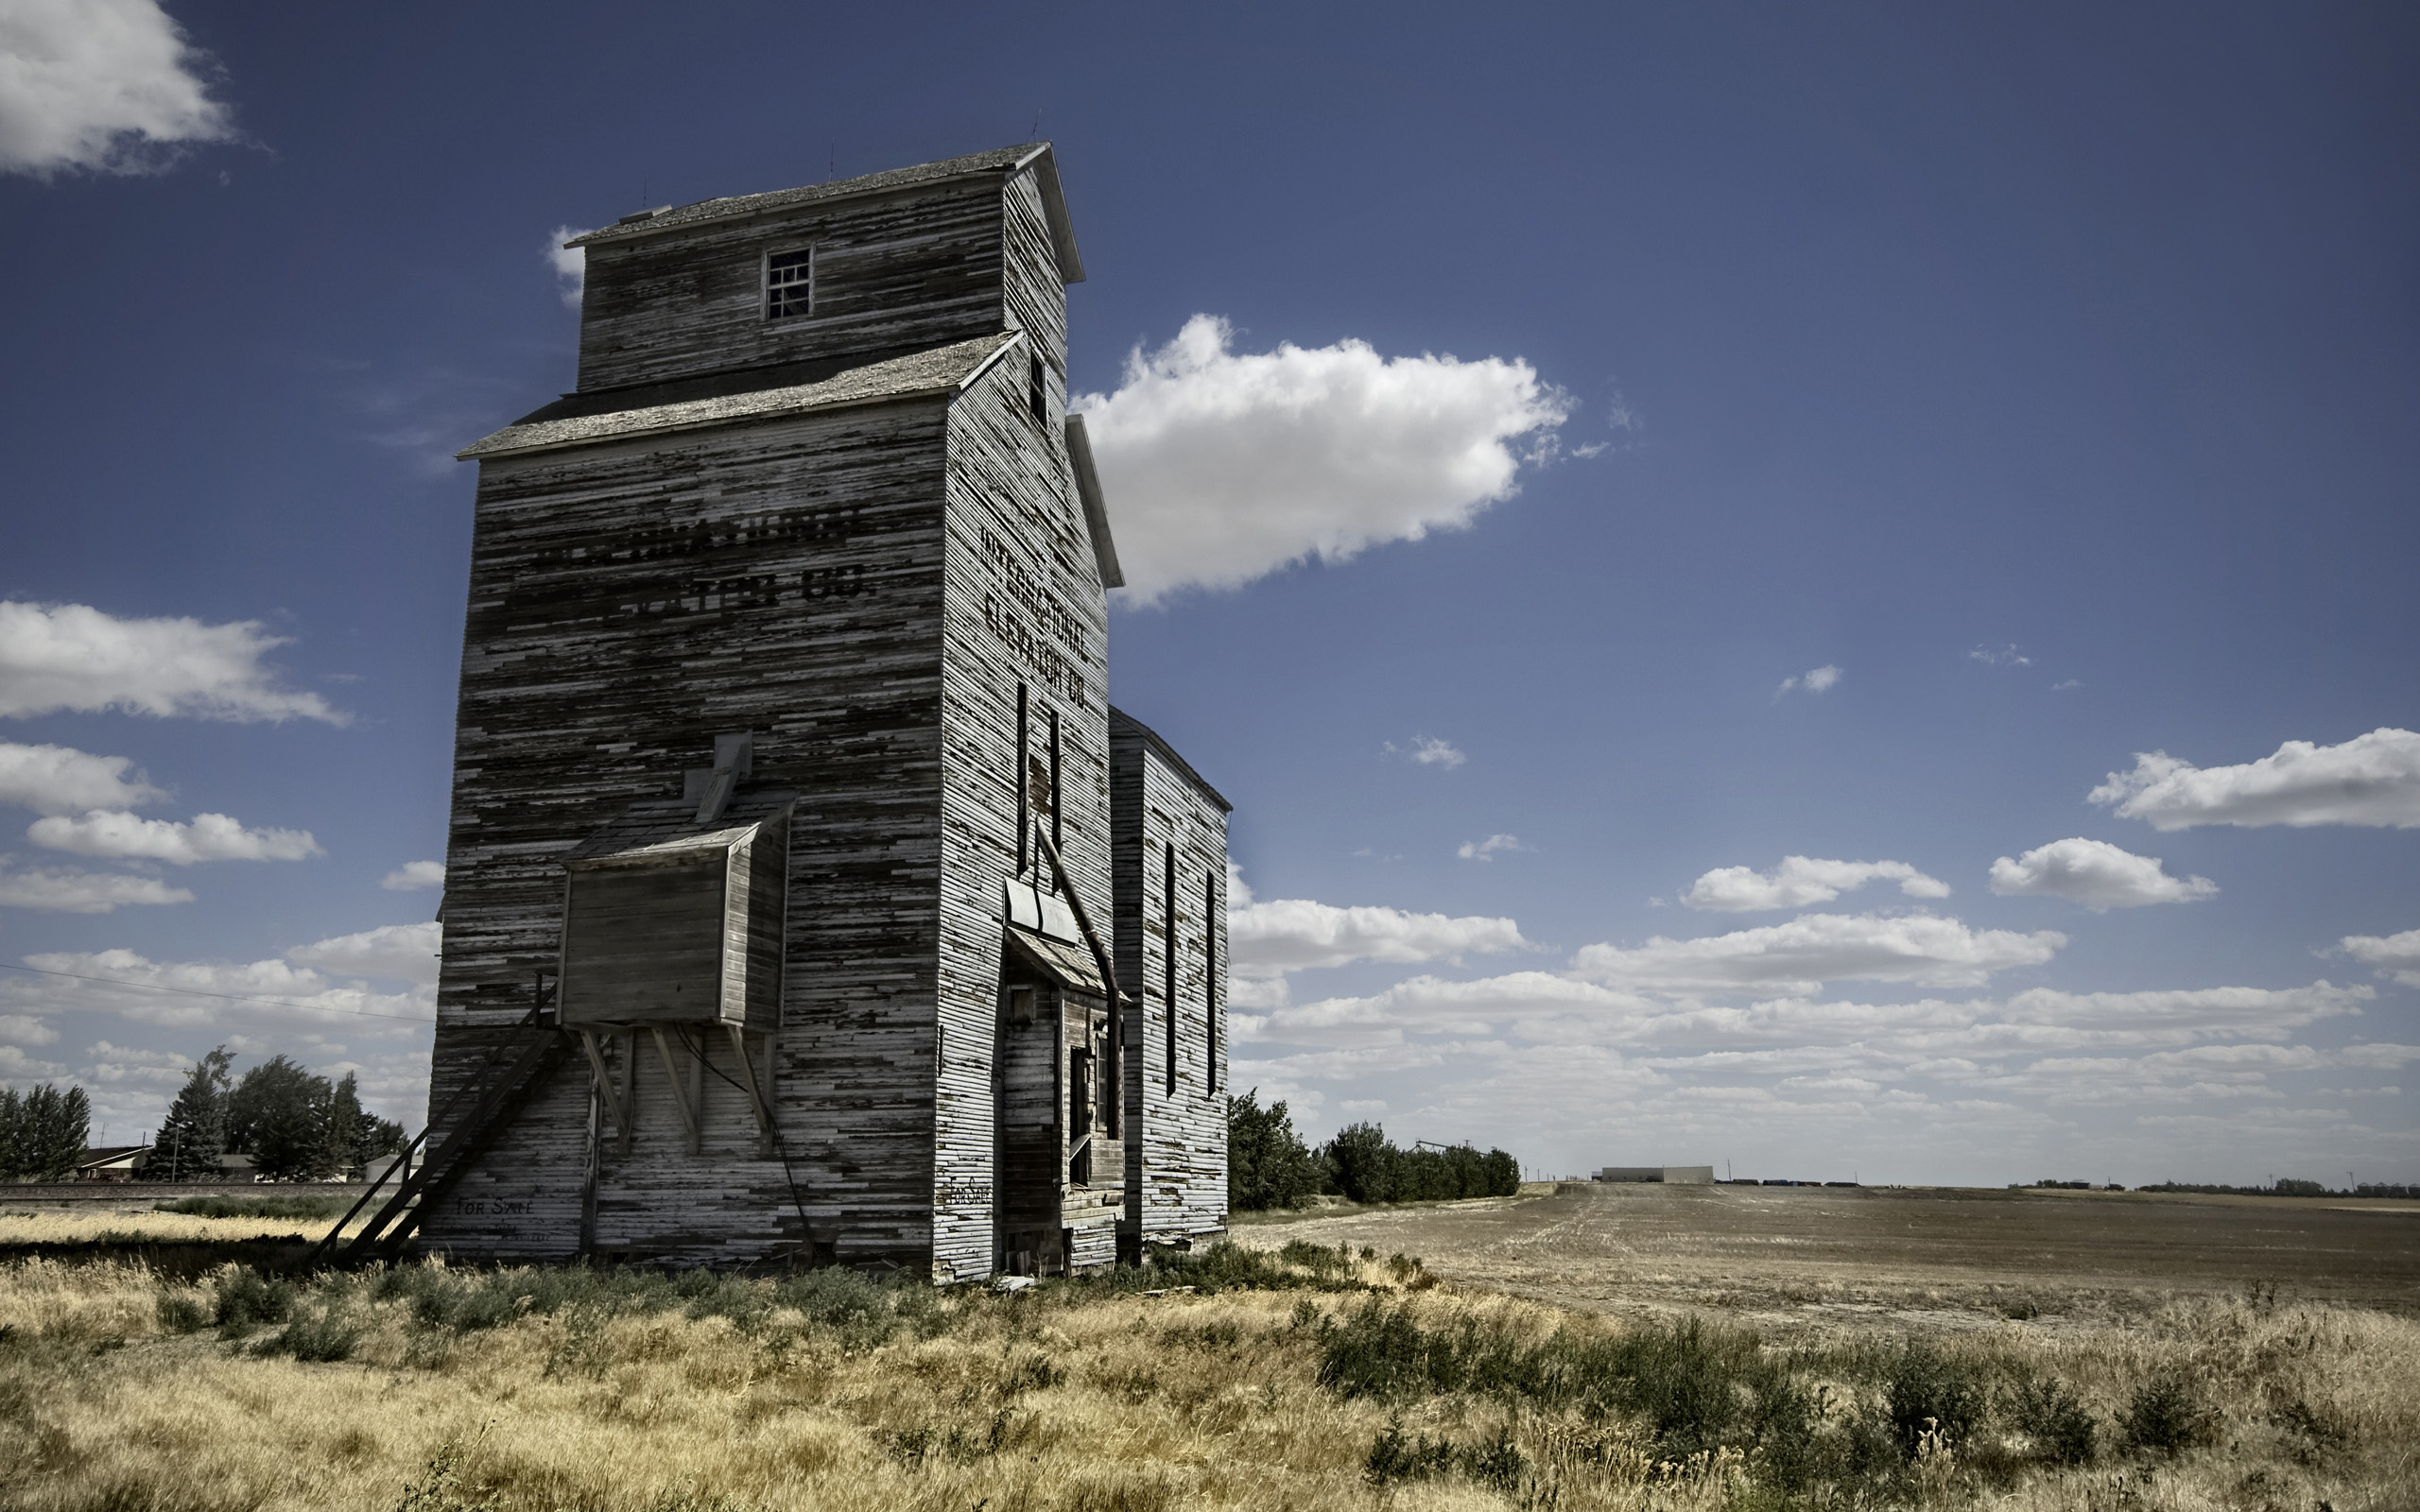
column 516, row 1068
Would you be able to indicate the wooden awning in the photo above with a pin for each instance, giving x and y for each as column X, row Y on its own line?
column 1070, row 966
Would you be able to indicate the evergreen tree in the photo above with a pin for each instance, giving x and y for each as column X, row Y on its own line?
column 11, row 1121
column 194, row 1134
column 354, row 1137
column 279, row 1115
column 42, row 1132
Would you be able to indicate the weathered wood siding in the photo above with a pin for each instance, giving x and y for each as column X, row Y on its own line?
column 1025, row 606
column 863, row 591
column 1176, row 1135
column 894, row 272
column 629, row 601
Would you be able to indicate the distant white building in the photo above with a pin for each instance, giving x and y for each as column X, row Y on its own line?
column 1692, row 1175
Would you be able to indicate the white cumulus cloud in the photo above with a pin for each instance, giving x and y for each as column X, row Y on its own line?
column 70, row 890
column 2394, row 955
column 58, row 780
column 1803, row 880
column 209, row 837
column 404, row 953
column 58, row 656
column 1820, row 680
column 2371, row 780
column 1221, row 466
column 413, row 875
column 1266, row 939
column 1801, row 956
column 569, row 263
column 2095, row 874
column 105, row 86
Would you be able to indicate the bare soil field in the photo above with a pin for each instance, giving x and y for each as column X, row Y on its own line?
column 1794, row 1258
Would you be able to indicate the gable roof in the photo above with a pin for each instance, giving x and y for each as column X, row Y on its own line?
column 938, row 373
column 1000, row 161
column 1123, row 724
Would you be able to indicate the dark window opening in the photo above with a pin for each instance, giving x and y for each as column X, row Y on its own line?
column 1079, row 1116
column 1167, row 963
column 1017, row 779
column 789, row 284
column 1037, row 390
column 1210, row 981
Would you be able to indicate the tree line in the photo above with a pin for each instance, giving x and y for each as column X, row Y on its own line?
column 1270, row 1166
column 294, row 1125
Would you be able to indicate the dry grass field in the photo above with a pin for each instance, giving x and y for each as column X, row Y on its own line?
column 1692, row 1370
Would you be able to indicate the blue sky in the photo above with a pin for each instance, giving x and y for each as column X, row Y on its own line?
column 1626, row 449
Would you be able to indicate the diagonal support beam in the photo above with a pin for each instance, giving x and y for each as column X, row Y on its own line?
column 672, row 1081
column 756, row 1084
column 605, row 1090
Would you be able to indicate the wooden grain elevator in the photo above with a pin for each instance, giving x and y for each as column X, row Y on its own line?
column 805, row 900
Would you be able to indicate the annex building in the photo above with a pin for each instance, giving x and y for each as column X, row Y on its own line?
column 804, row 899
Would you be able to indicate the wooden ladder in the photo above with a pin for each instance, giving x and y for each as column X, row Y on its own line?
column 529, row 1054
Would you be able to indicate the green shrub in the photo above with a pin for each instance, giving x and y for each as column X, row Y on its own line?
column 1926, row 1391
column 180, row 1313
column 322, row 1335
column 1393, row 1457
column 248, row 1300
column 2164, row 1416
column 2054, row 1417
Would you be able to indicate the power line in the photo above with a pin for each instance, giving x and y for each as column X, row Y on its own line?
column 226, row 997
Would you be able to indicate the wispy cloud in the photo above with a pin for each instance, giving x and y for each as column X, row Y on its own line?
column 1803, row 880
column 1820, row 680
column 1803, row 954
column 208, row 837
column 1223, row 466
column 2000, row 656
column 1486, row 849
column 1429, row 752
column 72, row 890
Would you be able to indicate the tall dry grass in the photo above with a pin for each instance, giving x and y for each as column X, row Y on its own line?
column 1313, row 1380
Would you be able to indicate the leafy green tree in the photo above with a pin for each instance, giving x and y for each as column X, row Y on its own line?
column 1268, row 1164
column 1366, row 1165
column 194, row 1134
column 279, row 1114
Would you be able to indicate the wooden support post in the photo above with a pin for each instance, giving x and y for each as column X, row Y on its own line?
column 697, row 1088
column 673, row 1085
column 629, row 1091
column 597, row 1100
column 606, row 1095
column 756, row 1090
